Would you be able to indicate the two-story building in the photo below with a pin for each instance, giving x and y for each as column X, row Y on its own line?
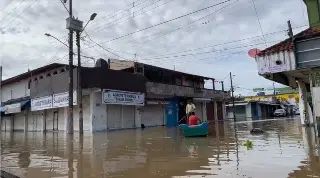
column 169, row 90
column 112, row 99
column 295, row 62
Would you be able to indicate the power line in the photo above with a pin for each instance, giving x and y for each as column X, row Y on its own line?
column 190, row 23
column 107, row 17
column 6, row 5
column 225, row 43
column 207, row 52
column 131, row 17
column 255, row 9
column 11, row 11
column 164, row 22
column 21, row 13
column 104, row 47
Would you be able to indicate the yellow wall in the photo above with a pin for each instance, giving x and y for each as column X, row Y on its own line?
column 279, row 96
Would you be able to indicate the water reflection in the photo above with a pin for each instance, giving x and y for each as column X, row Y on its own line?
column 285, row 150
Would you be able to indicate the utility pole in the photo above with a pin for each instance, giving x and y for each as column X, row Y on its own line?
column 70, row 113
column 222, row 85
column 0, row 90
column 232, row 97
column 79, row 85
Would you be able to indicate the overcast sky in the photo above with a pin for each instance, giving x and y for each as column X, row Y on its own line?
column 211, row 42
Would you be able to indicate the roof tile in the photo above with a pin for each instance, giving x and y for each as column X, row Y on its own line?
column 286, row 45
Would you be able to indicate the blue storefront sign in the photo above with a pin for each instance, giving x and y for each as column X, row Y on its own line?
column 172, row 112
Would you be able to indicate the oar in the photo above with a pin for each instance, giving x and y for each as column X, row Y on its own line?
column 182, row 119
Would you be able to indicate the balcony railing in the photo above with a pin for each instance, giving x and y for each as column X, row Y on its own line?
column 175, row 90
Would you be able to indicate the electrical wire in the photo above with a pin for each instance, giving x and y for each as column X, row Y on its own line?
column 164, row 22
column 260, row 25
column 190, row 23
column 131, row 17
column 21, row 13
column 11, row 11
column 104, row 47
column 5, row 6
column 220, row 44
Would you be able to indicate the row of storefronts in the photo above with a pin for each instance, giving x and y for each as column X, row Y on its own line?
column 38, row 100
column 103, row 110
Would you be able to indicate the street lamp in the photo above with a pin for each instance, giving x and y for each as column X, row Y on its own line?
column 49, row 35
column 92, row 17
column 79, row 87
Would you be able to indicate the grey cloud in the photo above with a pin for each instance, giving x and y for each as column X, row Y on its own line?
column 31, row 46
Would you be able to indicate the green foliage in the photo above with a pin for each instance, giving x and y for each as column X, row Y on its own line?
column 248, row 144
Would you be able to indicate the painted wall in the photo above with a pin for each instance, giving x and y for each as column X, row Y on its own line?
column 267, row 64
column 15, row 90
column 20, row 89
column 172, row 112
column 292, row 98
column 313, row 12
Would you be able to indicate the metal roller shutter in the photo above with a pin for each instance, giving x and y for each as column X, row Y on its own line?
column 152, row 115
column 128, row 116
column 114, row 116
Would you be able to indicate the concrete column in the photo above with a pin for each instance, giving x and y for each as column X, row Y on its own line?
column 137, row 117
column 204, row 111
column 25, row 112
column 65, row 115
column 306, row 115
column 12, row 123
column 224, row 110
column 249, row 112
column 44, row 122
column 215, row 111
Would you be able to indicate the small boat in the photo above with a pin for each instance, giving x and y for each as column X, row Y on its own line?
column 199, row 130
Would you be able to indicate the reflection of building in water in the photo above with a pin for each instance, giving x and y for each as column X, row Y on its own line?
column 310, row 165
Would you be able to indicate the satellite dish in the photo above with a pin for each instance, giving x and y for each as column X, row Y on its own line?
column 254, row 52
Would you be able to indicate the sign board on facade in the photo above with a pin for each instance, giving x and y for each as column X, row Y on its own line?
column 122, row 97
column 13, row 108
column 42, row 103
column 52, row 101
column 156, row 102
column 315, row 75
column 62, row 99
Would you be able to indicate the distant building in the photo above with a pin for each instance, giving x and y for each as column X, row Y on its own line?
column 290, row 98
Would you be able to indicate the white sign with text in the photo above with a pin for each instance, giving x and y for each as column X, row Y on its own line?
column 42, row 103
column 122, row 97
column 62, row 99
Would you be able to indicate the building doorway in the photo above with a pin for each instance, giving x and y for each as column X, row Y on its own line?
column 182, row 109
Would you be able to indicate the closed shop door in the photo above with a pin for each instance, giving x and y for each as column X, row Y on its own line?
column 114, row 116
column 35, row 122
column 210, row 111
column 152, row 115
column 128, row 113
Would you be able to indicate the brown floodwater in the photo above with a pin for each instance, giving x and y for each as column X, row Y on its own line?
column 285, row 149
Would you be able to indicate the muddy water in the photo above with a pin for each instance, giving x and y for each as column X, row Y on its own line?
column 284, row 150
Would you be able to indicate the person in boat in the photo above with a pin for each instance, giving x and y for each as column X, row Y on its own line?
column 193, row 119
column 190, row 108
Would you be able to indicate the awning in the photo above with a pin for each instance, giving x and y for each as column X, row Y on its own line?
column 202, row 99
column 16, row 107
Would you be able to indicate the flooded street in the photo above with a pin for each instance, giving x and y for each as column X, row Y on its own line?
column 285, row 149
